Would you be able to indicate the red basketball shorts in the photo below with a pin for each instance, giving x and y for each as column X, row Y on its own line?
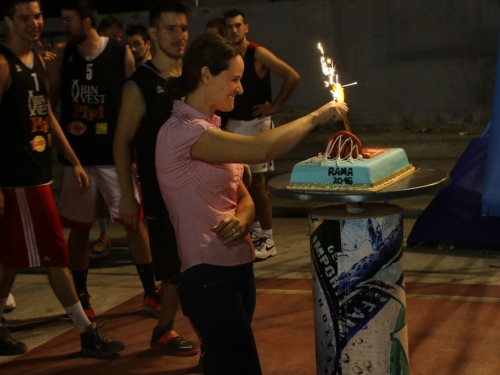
column 30, row 229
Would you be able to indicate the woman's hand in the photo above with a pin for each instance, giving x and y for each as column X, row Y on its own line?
column 230, row 229
column 330, row 111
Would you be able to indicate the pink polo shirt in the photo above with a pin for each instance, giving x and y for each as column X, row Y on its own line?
column 198, row 195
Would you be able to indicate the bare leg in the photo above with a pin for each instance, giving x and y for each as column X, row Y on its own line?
column 101, row 209
column 102, row 213
column 138, row 243
column 169, row 305
column 141, row 254
column 263, row 206
column 62, row 284
column 78, row 246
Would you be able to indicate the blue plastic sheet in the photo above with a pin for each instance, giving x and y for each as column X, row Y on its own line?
column 454, row 216
column 491, row 187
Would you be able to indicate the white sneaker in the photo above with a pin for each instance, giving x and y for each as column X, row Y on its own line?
column 256, row 236
column 10, row 305
column 265, row 248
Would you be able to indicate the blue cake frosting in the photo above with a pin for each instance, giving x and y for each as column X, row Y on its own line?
column 385, row 166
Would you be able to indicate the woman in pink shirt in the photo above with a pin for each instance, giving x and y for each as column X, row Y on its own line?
column 199, row 170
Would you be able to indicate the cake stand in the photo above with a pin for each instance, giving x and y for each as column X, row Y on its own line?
column 358, row 284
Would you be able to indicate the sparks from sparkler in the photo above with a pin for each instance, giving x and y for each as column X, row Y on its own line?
column 332, row 78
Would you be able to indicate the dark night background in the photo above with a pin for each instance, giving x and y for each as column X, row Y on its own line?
column 414, row 64
column 51, row 8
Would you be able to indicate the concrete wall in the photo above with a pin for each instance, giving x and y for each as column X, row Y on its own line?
column 416, row 62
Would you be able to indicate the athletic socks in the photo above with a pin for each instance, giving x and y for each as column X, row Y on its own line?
column 147, row 276
column 80, row 280
column 267, row 233
column 256, row 228
column 104, row 226
column 78, row 317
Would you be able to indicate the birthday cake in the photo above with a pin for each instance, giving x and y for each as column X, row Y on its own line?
column 347, row 165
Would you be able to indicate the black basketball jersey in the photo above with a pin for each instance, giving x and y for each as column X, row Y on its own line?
column 25, row 140
column 91, row 92
column 256, row 90
column 158, row 109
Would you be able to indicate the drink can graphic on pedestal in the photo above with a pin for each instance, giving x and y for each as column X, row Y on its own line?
column 358, row 286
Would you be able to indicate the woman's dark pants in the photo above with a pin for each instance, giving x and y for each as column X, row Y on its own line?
column 220, row 302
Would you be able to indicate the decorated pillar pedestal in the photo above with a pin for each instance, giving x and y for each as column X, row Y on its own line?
column 358, row 285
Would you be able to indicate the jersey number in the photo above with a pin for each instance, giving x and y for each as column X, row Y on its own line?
column 89, row 72
column 35, row 78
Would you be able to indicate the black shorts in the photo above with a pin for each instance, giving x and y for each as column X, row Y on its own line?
column 163, row 245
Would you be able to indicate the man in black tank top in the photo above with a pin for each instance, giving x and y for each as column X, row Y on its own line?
column 145, row 108
column 251, row 115
column 30, row 231
column 112, row 28
column 88, row 75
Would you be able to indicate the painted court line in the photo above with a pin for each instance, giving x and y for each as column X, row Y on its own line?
column 454, row 298
column 283, row 291
column 408, row 296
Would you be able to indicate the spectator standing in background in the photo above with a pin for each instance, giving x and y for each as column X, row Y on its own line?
column 139, row 42
column 88, row 75
column 215, row 26
column 111, row 27
column 252, row 115
column 145, row 108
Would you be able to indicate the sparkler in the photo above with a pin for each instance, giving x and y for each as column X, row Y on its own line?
column 332, row 80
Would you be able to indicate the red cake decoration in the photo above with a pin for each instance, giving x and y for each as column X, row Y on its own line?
column 343, row 144
column 371, row 152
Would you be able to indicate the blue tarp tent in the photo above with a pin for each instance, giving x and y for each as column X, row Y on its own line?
column 454, row 216
column 491, row 187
